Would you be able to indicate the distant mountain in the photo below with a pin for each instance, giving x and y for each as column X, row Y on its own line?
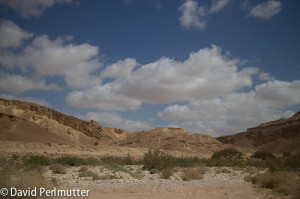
column 30, row 122
column 278, row 136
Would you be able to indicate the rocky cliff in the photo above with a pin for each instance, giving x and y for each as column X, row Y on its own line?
column 278, row 136
column 45, row 116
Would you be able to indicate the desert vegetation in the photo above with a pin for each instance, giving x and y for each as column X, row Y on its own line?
column 265, row 170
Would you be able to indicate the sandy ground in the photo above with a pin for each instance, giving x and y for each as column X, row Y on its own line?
column 244, row 191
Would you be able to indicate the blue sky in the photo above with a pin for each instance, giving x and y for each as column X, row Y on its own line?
column 213, row 67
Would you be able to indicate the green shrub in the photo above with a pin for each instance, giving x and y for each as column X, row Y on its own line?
column 292, row 162
column 93, row 161
column 157, row 160
column 262, row 155
column 71, row 160
column 35, row 161
column 227, row 154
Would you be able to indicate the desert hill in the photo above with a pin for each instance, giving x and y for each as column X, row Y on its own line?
column 278, row 136
column 67, row 128
column 167, row 138
column 30, row 122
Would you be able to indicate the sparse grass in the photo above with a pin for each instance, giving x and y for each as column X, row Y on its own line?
column 107, row 177
column 58, row 168
column 223, row 170
column 89, row 174
column 192, row 174
column 93, row 161
column 122, row 169
column 115, row 162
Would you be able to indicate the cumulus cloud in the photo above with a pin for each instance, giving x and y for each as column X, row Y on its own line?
column 114, row 120
column 30, row 8
column 26, row 99
column 286, row 93
column 102, row 98
column 218, row 5
column 12, row 35
column 204, row 74
column 233, row 113
column 192, row 15
column 114, row 71
column 266, row 10
column 78, row 64
column 20, row 84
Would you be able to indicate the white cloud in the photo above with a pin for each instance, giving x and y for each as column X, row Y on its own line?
column 102, row 98
column 11, row 35
column 205, row 74
column 266, row 10
column 26, row 99
column 20, row 84
column 111, row 119
column 218, row 5
column 192, row 15
column 235, row 112
column 114, row 71
column 47, row 58
column 266, row 77
column 286, row 93
column 28, row 8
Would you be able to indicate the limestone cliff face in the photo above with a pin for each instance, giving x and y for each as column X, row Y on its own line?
column 32, row 111
column 279, row 136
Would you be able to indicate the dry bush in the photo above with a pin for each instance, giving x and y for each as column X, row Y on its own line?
column 166, row 173
column 83, row 168
column 282, row 182
column 13, row 175
column 192, row 174
column 58, row 168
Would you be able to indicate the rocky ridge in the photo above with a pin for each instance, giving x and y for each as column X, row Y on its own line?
column 36, row 123
column 278, row 136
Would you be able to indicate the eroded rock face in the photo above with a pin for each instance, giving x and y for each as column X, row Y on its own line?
column 32, row 111
column 278, row 136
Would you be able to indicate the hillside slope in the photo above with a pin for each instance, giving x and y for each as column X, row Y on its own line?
column 167, row 138
column 278, row 136
column 66, row 128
